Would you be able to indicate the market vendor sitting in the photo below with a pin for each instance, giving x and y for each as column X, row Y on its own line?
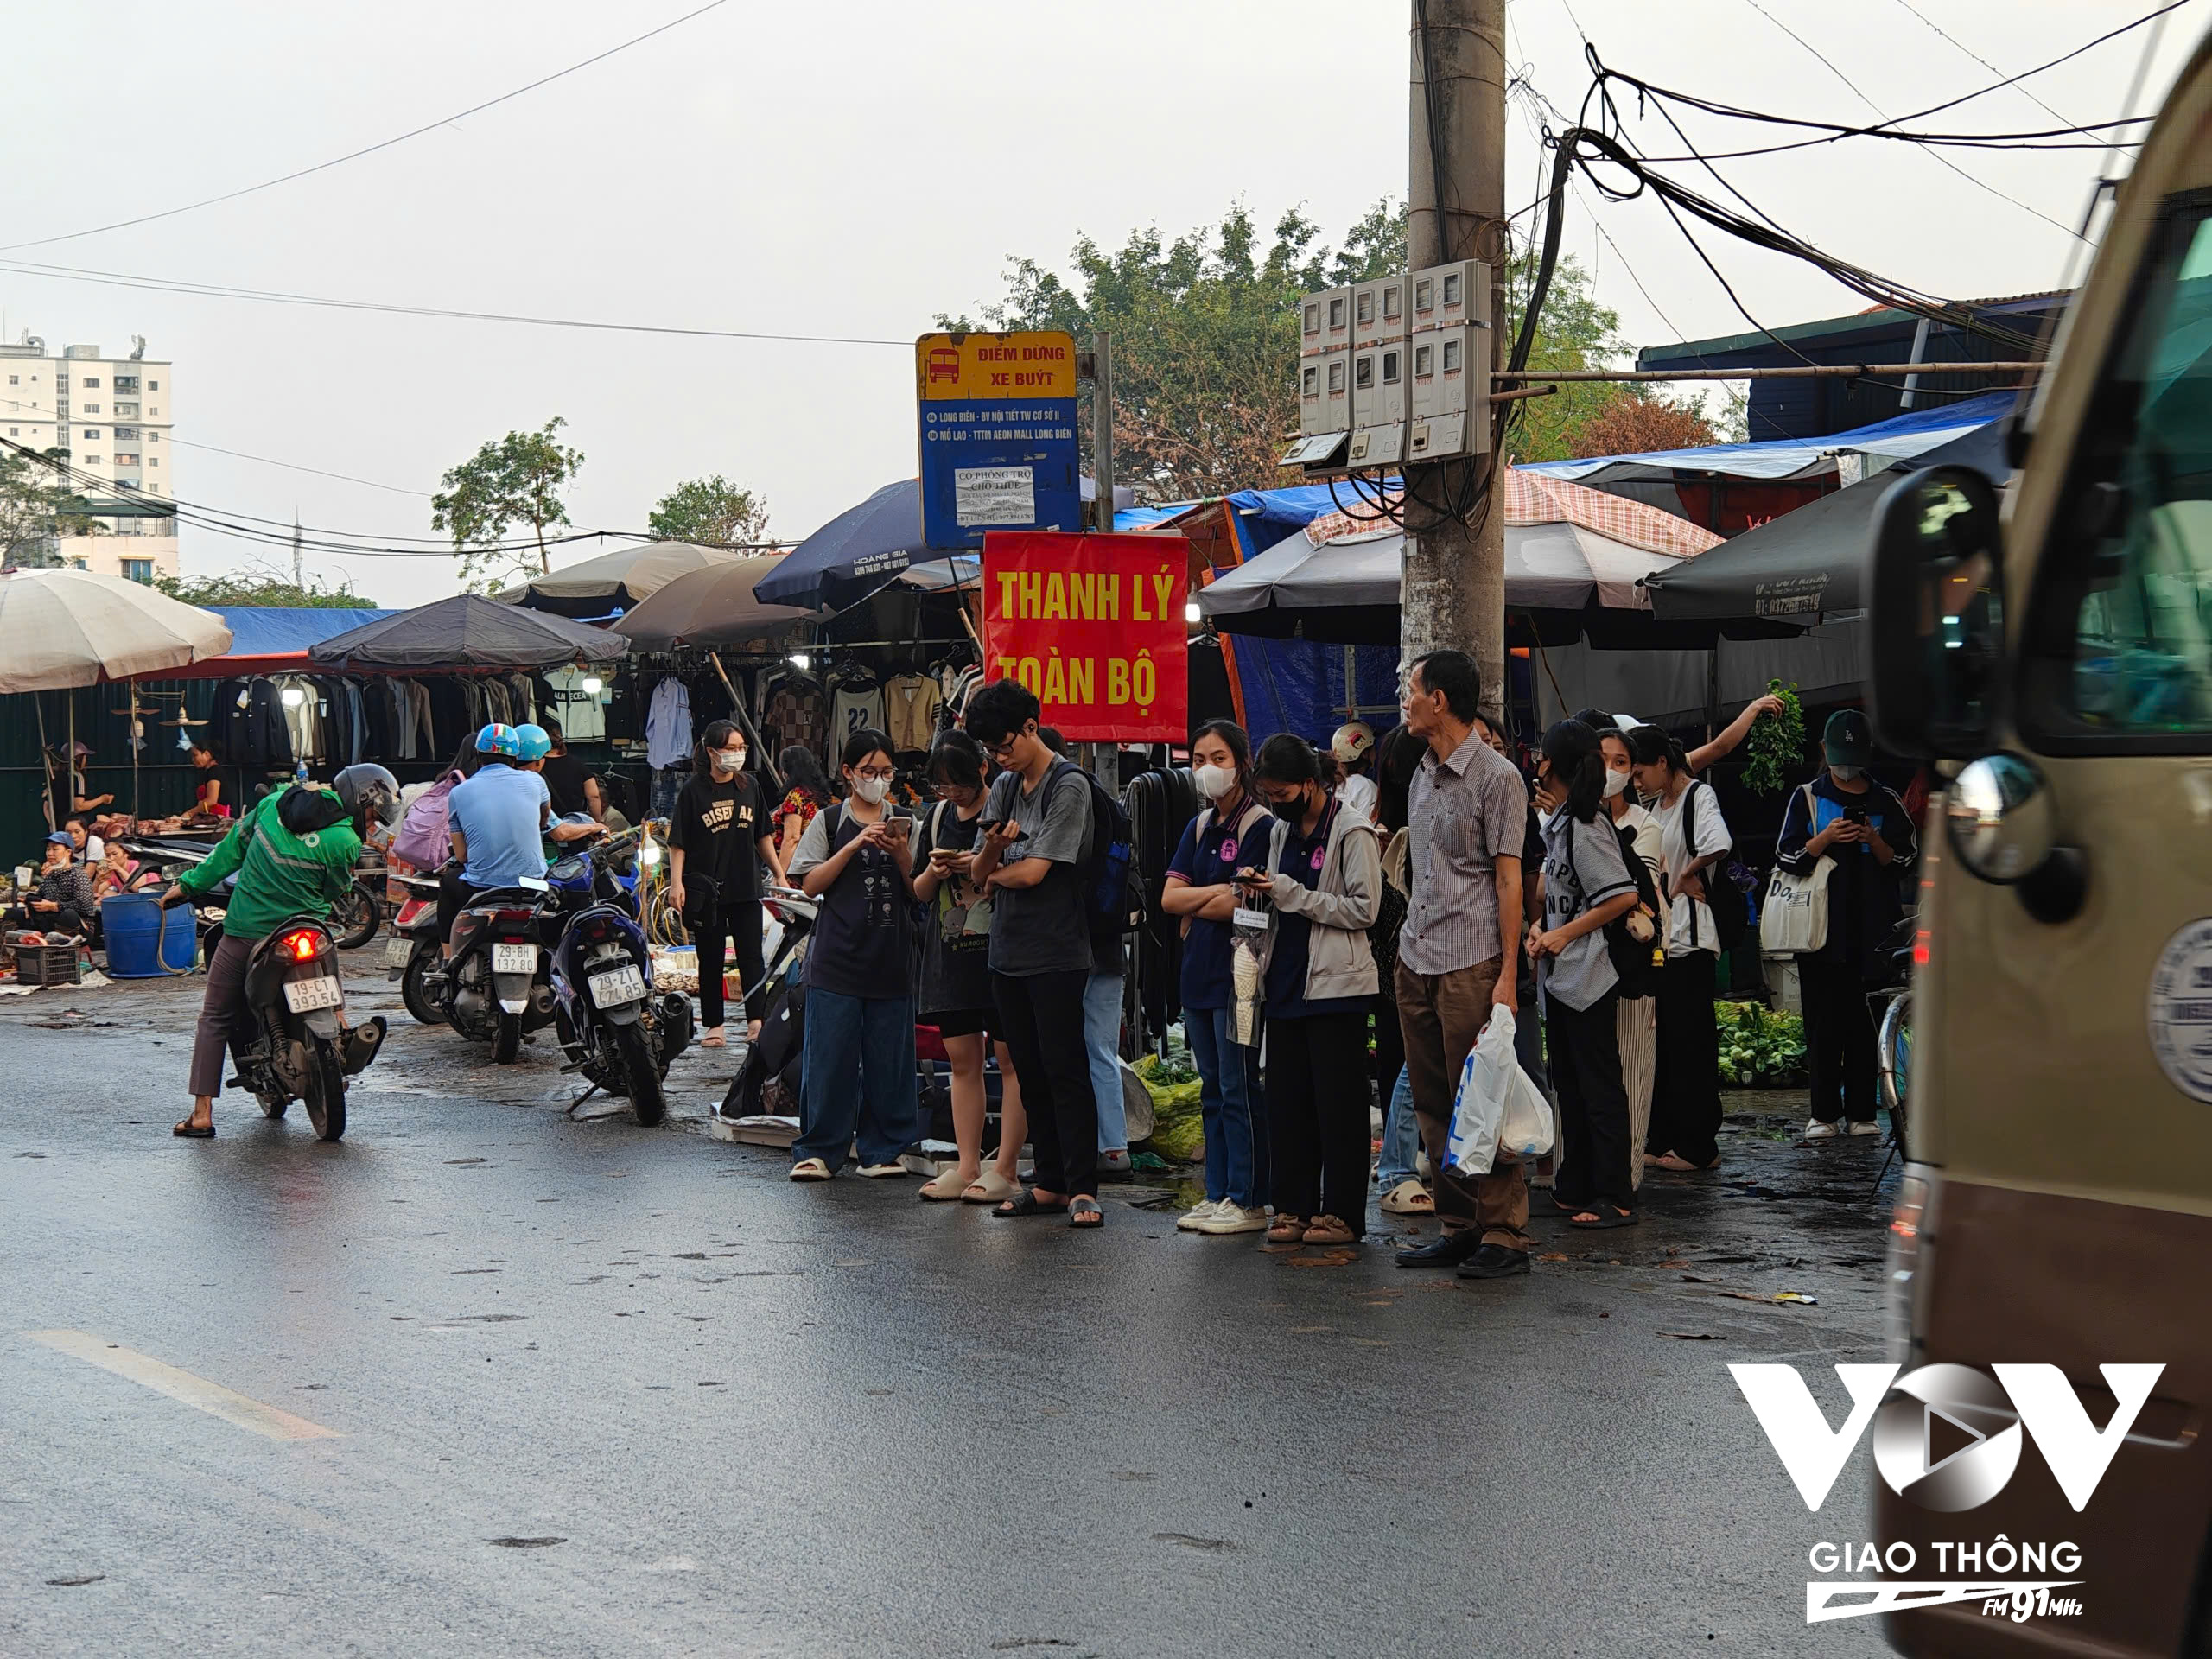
column 61, row 899
column 119, row 873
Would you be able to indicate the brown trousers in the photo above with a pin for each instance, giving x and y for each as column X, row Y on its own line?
column 1441, row 1016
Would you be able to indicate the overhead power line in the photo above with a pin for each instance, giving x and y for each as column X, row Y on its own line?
column 271, row 296
column 369, row 149
column 294, row 466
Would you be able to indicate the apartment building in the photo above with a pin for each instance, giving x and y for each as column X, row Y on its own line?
column 113, row 419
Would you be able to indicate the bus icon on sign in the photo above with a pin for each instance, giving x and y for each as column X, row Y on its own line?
column 944, row 364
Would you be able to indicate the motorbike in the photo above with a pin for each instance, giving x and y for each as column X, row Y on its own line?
column 496, row 985
column 355, row 915
column 611, row 1026
column 300, row 1047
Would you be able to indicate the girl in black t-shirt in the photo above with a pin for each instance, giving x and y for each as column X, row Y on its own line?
column 718, row 838
column 956, row 980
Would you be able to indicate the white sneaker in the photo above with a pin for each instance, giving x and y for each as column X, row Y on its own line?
column 1817, row 1130
column 1865, row 1126
column 1231, row 1217
column 1196, row 1215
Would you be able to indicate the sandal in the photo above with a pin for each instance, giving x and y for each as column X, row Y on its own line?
column 1288, row 1229
column 1675, row 1161
column 809, row 1169
column 1085, row 1212
column 1027, row 1203
column 1408, row 1197
column 989, row 1187
column 1329, row 1229
column 1603, row 1216
column 189, row 1130
column 712, row 1036
column 946, row 1188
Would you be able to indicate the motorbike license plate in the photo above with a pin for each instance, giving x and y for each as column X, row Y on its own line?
column 304, row 995
column 618, row 986
column 514, row 958
column 399, row 952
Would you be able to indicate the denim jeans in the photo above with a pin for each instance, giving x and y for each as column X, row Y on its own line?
column 1229, row 1106
column 1400, row 1135
column 857, row 1071
column 1101, row 1041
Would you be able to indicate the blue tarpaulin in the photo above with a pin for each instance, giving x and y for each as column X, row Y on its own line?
column 256, row 631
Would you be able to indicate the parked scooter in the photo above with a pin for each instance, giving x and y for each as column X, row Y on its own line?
column 300, row 1048
column 612, row 1027
column 497, row 984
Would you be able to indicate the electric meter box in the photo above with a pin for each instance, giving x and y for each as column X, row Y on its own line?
column 1378, row 311
column 1448, row 399
column 1378, row 404
column 1325, row 322
column 1448, row 297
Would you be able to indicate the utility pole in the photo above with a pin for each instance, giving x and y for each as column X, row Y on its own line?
column 1453, row 590
column 298, row 580
column 1101, row 428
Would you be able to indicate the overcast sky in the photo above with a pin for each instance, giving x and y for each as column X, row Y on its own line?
column 851, row 171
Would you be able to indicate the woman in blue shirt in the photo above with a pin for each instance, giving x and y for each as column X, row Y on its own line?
column 1201, row 889
column 1325, row 877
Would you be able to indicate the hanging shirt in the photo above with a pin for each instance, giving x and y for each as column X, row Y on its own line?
column 581, row 718
column 1694, row 820
column 857, row 707
column 797, row 713
column 667, row 724
column 910, row 708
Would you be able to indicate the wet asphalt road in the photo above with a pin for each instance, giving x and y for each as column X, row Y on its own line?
column 589, row 1389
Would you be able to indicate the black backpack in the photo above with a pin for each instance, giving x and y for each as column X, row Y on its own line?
column 1729, row 904
column 1113, row 887
column 1632, row 959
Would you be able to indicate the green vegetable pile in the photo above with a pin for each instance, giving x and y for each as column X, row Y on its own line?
column 1759, row 1048
column 1177, row 1131
column 1775, row 747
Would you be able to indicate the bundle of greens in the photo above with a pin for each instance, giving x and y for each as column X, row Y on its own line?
column 1775, row 747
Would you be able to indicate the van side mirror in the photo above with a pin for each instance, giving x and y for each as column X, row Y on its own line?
column 1936, row 615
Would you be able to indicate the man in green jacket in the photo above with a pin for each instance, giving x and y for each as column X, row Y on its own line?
column 293, row 855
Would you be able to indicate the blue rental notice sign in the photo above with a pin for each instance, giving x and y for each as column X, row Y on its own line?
column 997, row 434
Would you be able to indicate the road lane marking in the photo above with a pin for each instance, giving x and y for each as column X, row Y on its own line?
column 197, row 1392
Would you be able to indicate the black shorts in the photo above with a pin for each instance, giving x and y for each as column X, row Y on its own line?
column 960, row 1022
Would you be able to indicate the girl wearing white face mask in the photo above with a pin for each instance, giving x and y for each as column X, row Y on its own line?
column 1229, row 834
column 857, row 1063
column 719, row 837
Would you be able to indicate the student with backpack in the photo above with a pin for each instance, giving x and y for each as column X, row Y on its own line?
column 857, row 859
column 955, row 979
column 1637, row 1011
column 1693, row 839
column 1324, row 875
column 1228, row 834
column 1037, row 852
column 1587, row 887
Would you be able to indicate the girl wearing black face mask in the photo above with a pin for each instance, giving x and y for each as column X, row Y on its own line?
column 1324, row 876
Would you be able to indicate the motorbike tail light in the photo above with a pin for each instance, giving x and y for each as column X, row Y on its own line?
column 303, row 944
column 595, row 929
column 523, row 917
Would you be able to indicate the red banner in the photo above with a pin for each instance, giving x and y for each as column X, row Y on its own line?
column 1093, row 626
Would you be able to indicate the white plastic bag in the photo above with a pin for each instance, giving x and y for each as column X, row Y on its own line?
column 1497, row 1103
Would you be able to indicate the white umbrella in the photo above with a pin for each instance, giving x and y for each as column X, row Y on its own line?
column 62, row 628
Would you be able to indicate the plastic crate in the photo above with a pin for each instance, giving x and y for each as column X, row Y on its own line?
column 47, row 964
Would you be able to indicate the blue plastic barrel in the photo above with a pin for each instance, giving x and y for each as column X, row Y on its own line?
column 144, row 940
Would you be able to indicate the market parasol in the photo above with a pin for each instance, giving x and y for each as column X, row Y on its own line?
column 616, row 582
column 64, row 628
column 469, row 631
column 711, row 607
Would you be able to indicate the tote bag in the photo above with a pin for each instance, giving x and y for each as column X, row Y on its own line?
column 422, row 839
column 1793, row 921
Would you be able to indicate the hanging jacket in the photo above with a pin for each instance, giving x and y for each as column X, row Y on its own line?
column 293, row 855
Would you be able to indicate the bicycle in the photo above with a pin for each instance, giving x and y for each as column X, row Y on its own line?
column 1892, row 1010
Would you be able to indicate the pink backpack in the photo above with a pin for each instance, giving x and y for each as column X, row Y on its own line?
column 423, row 840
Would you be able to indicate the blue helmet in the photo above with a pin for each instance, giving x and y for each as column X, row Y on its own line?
column 499, row 739
column 533, row 742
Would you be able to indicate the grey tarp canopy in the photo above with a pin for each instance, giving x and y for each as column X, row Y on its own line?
column 1806, row 564
column 619, row 581
column 711, row 607
column 469, row 631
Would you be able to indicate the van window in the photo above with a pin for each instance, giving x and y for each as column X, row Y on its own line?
column 2121, row 640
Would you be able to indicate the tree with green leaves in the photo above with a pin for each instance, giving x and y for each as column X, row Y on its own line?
column 35, row 508
column 265, row 589
column 1206, row 342
column 515, row 481
column 711, row 512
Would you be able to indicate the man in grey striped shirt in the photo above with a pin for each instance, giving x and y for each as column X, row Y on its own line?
column 1468, row 815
